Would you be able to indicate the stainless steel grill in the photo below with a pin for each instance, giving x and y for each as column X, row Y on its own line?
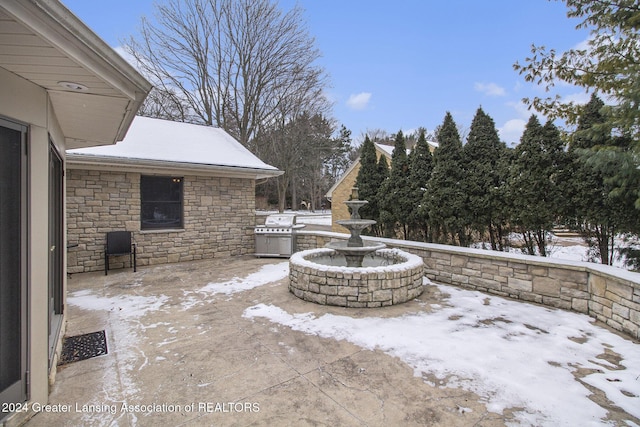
column 277, row 237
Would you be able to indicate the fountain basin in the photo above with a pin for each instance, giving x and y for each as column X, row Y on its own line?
column 387, row 277
column 354, row 255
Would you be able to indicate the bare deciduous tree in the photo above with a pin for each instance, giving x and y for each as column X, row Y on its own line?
column 237, row 64
column 300, row 146
column 165, row 104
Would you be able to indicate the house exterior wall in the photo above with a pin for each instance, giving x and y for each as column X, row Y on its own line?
column 28, row 104
column 219, row 216
column 341, row 194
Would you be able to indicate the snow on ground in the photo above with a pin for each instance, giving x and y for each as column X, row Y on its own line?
column 315, row 219
column 123, row 339
column 267, row 274
column 130, row 306
column 570, row 248
column 319, row 217
column 512, row 354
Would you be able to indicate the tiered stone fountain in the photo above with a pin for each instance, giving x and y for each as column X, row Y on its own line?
column 355, row 273
column 354, row 249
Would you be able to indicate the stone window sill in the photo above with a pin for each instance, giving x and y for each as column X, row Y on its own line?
column 163, row 230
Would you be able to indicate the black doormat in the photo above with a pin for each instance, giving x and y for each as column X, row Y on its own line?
column 82, row 347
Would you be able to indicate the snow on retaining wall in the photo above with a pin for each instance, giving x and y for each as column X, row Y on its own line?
column 609, row 294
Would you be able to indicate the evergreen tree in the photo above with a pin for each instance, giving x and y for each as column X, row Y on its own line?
column 602, row 197
column 609, row 64
column 486, row 160
column 445, row 198
column 368, row 182
column 395, row 202
column 534, row 188
column 337, row 162
column 555, row 147
column 382, row 175
column 316, row 147
column 420, row 169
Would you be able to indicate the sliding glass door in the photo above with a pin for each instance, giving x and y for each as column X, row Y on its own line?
column 13, row 262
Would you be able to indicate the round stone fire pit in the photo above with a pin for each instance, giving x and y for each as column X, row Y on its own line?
column 387, row 277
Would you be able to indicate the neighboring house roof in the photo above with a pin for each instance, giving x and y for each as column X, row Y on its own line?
column 387, row 150
column 168, row 145
column 95, row 93
column 382, row 149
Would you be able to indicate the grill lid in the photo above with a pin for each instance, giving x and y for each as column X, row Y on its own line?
column 280, row 220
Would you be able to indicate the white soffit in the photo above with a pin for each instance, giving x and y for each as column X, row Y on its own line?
column 44, row 43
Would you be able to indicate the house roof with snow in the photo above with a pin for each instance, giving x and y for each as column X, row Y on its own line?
column 386, row 150
column 163, row 145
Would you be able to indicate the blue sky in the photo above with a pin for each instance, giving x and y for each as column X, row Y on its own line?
column 404, row 64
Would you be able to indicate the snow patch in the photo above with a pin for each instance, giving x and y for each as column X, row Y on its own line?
column 130, row 306
column 267, row 274
column 512, row 354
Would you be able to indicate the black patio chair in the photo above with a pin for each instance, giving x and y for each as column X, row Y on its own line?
column 119, row 244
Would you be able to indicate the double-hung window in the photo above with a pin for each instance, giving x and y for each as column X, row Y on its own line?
column 161, row 200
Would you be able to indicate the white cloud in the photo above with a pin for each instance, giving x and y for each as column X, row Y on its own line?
column 512, row 130
column 520, row 108
column 359, row 101
column 517, row 86
column 577, row 98
column 490, row 89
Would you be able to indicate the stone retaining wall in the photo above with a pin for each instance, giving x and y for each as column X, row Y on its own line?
column 219, row 216
column 606, row 293
column 356, row 287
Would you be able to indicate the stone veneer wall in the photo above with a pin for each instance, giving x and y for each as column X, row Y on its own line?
column 340, row 194
column 609, row 294
column 219, row 216
column 382, row 286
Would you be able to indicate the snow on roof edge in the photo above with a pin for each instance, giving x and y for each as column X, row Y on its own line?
column 92, row 161
column 151, row 139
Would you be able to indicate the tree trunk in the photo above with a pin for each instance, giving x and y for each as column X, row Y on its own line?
column 541, row 242
column 294, row 196
column 528, row 242
column 602, row 236
column 283, row 183
column 492, row 237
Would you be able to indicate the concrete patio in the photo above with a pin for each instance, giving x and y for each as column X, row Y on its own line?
column 178, row 356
